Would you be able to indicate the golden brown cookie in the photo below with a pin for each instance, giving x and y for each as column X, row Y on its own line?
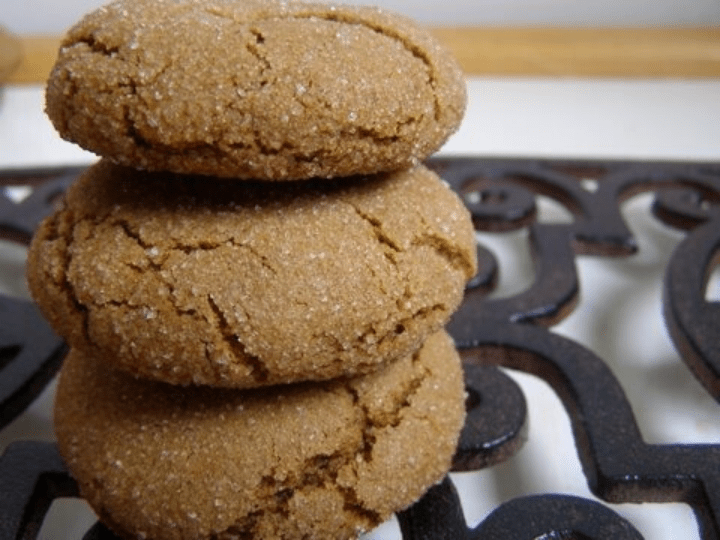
column 250, row 284
column 314, row 460
column 256, row 89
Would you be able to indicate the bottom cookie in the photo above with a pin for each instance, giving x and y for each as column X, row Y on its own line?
column 313, row 460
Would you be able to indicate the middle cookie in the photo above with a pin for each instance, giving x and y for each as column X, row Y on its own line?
column 246, row 285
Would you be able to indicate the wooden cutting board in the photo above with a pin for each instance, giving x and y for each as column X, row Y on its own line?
column 672, row 52
column 10, row 54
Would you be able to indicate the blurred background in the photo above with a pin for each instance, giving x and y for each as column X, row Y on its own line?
column 54, row 16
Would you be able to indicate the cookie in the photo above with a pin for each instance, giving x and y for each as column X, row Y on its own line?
column 315, row 460
column 257, row 89
column 251, row 284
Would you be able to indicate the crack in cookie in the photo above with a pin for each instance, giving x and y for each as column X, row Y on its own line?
column 253, row 284
column 293, row 90
column 172, row 462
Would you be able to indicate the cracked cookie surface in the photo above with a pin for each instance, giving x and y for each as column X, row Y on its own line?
column 250, row 284
column 254, row 89
column 314, row 460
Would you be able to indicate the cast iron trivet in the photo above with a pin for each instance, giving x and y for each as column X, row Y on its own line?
column 510, row 332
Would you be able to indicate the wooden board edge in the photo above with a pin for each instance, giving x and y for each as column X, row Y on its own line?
column 671, row 52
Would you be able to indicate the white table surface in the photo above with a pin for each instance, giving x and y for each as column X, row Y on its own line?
column 506, row 117
column 516, row 117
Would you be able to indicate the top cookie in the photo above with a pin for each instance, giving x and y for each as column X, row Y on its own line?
column 257, row 89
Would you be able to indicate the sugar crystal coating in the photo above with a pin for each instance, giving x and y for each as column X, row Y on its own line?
column 254, row 89
column 251, row 284
column 172, row 463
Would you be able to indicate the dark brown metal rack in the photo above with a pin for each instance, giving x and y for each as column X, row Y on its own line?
column 491, row 333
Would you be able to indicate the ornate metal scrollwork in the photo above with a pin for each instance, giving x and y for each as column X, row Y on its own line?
column 491, row 333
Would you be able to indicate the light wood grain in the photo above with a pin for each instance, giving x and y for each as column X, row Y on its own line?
column 554, row 52
column 10, row 53
column 587, row 52
column 39, row 54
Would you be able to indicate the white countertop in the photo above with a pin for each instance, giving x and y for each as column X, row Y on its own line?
column 506, row 117
column 536, row 118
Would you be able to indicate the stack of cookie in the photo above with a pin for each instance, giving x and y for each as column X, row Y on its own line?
column 254, row 278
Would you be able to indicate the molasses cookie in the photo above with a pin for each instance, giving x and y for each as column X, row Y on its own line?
column 251, row 284
column 257, row 89
column 315, row 460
